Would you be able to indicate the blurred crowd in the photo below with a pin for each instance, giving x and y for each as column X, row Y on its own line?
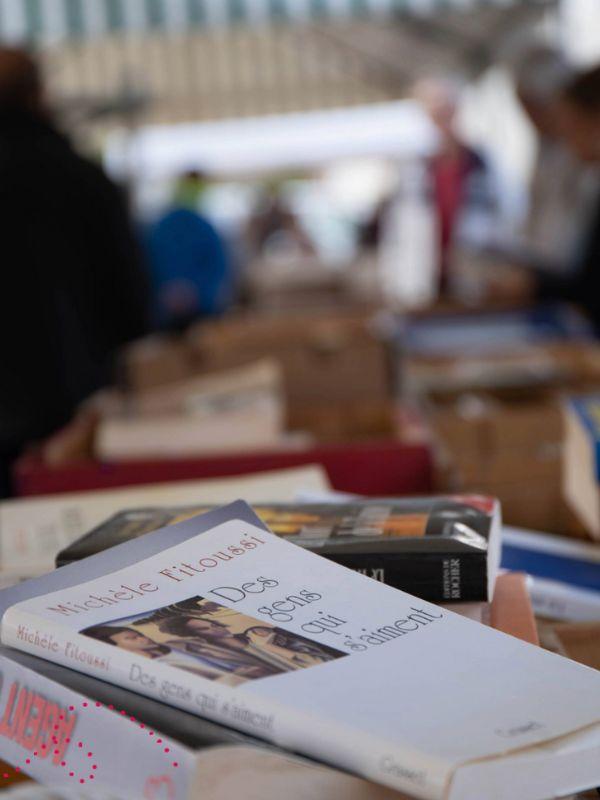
column 83, row 277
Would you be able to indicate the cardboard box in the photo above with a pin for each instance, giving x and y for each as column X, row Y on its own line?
column 337, row 378
column 155, row 361
column 535, row 504
column 491, row 441
column 336, row 368
column 343, row 422
column 503, row 466
column 508, row 449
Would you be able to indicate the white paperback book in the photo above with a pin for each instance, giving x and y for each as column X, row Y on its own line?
column 218, row 616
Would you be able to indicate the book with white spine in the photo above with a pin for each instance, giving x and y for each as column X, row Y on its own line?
column 184, row 758
column 221, row 618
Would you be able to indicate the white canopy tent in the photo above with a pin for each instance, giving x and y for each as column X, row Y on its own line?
column 273, row 143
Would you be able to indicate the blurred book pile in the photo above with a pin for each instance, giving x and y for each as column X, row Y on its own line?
column 492, row 387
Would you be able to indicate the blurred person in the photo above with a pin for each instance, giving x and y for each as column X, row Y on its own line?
column 291, row 649
column 127, row 639
column 274, row 228
column 370, row 233
column 579, row 119
column 141, row 645
column 561, row 187
column 216, row 645
column 580, row 115
column 74, row 289
column 447, row 201
column 191, row 269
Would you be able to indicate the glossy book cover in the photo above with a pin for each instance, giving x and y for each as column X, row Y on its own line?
column 441, row 549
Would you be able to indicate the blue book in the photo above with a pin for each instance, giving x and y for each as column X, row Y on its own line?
column 491, row 332
column 568, row 561
column 581, row 460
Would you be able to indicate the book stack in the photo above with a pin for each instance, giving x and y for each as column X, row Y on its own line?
column 564, row 574
column 443, row 549
column 222, row 659
column 236, row 652
column 292, row 647
column 228, row 411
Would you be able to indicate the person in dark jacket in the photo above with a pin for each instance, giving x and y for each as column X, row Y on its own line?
column 73, row 288
column 580, row 118
column 580, row 126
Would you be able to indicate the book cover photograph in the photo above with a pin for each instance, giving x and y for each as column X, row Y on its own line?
column 207, row 639
column 220, row 618
column 443, row 549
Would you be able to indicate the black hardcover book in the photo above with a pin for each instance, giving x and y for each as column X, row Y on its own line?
column 441, row 549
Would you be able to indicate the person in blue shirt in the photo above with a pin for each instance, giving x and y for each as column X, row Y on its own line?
column 191, row 270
